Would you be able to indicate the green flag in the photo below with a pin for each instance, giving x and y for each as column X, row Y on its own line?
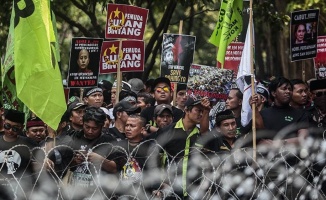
column 228, row 26
column 8, row 72
column 37, row 74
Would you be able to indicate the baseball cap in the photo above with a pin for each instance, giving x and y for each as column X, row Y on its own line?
column 74, row 106
column 192, row 101
column 136, row 85
column 104, row 84
column 317, row 84
column 161, row 80
column 160, row 108
column 181, row 86
column 125, row 106
column 124, row 85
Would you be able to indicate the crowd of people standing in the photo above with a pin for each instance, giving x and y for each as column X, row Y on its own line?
column 141, row 146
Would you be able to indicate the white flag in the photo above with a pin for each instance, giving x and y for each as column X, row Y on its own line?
column 244, row 79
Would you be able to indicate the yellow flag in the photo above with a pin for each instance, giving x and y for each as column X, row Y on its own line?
column 228, row 26
column 37, row 74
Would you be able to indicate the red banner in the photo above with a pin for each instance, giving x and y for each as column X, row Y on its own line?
column 124, row 21
column 233, row 56
column 131, row 56
column 320, row 60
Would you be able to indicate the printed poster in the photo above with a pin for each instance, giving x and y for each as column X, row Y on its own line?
column 233, row 56
column 304, row 29
column 320, row 60
column 124, row 21
column 177, row 56
column 84, row 59
column 211, row 82
column 131, row 56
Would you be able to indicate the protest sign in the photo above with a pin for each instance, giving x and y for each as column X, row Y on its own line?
column 209, row 81
column 131, row 56
column 233, row 56
column 320, row 60
column 304, row 26
column 84, row 59
column 124, row 21
column 177, row 56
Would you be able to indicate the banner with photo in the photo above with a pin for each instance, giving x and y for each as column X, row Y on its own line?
column 211, row 82
column 84, row 62
column 177, row 56
column 124, row 21
column 131, row 56
column 320, row 60
column 303, row 38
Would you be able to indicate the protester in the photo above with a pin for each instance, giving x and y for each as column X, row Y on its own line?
column 106, row 87
column 300, row 94
column 162, row 95
column 148, row 85
column 181, row 96
column 234, row 103
column 145, row 100
column 16, row 162
column 121, row 112
column 223, row 136
column 177, row 139
column 281, row 114
column 317, row 112
column 93, row 97
column 163, row 116
column 36, row 129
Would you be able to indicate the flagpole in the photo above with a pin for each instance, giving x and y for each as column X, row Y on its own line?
column 119, row 74
column 254, row 145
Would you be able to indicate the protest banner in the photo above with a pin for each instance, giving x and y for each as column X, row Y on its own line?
column 233, row 56
column 209, row 81
column 84, row 59
column 124, row 21
column 303, row 39
column 320, row 60
column 177, row 56
column 131, row 56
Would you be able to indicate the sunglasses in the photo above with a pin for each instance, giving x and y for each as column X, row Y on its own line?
column 162, row 89
column 319, row 94
column 13, row 128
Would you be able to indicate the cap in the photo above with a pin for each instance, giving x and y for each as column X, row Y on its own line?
column 74, row 106
column 263, row 91
column 136, row 85
column 34, row 121
column 124, row 85
column 318, row 84
column 192, row 101
column 15, row 116
column 125, row 106
column 104, row 84
column 226, row 114
column 161, row 80
column 181, row 86
column 160, row 108
column 90, row 91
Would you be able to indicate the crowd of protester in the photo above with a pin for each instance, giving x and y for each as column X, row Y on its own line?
column 143, row 147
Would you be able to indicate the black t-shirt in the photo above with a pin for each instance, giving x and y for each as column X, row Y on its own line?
column 114, row 132
column 240, row 129
column 148, row 114
column 213, row 141
column 15, row 157
column 276, row 118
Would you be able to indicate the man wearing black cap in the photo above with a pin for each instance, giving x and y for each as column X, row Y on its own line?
column 223, row 136
column 121, row 111
column 317, row 113
column 178, row 138
column 106, row 87
column 93, row 97
column 163, row 116
column 162, row 94
column 15, row 153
